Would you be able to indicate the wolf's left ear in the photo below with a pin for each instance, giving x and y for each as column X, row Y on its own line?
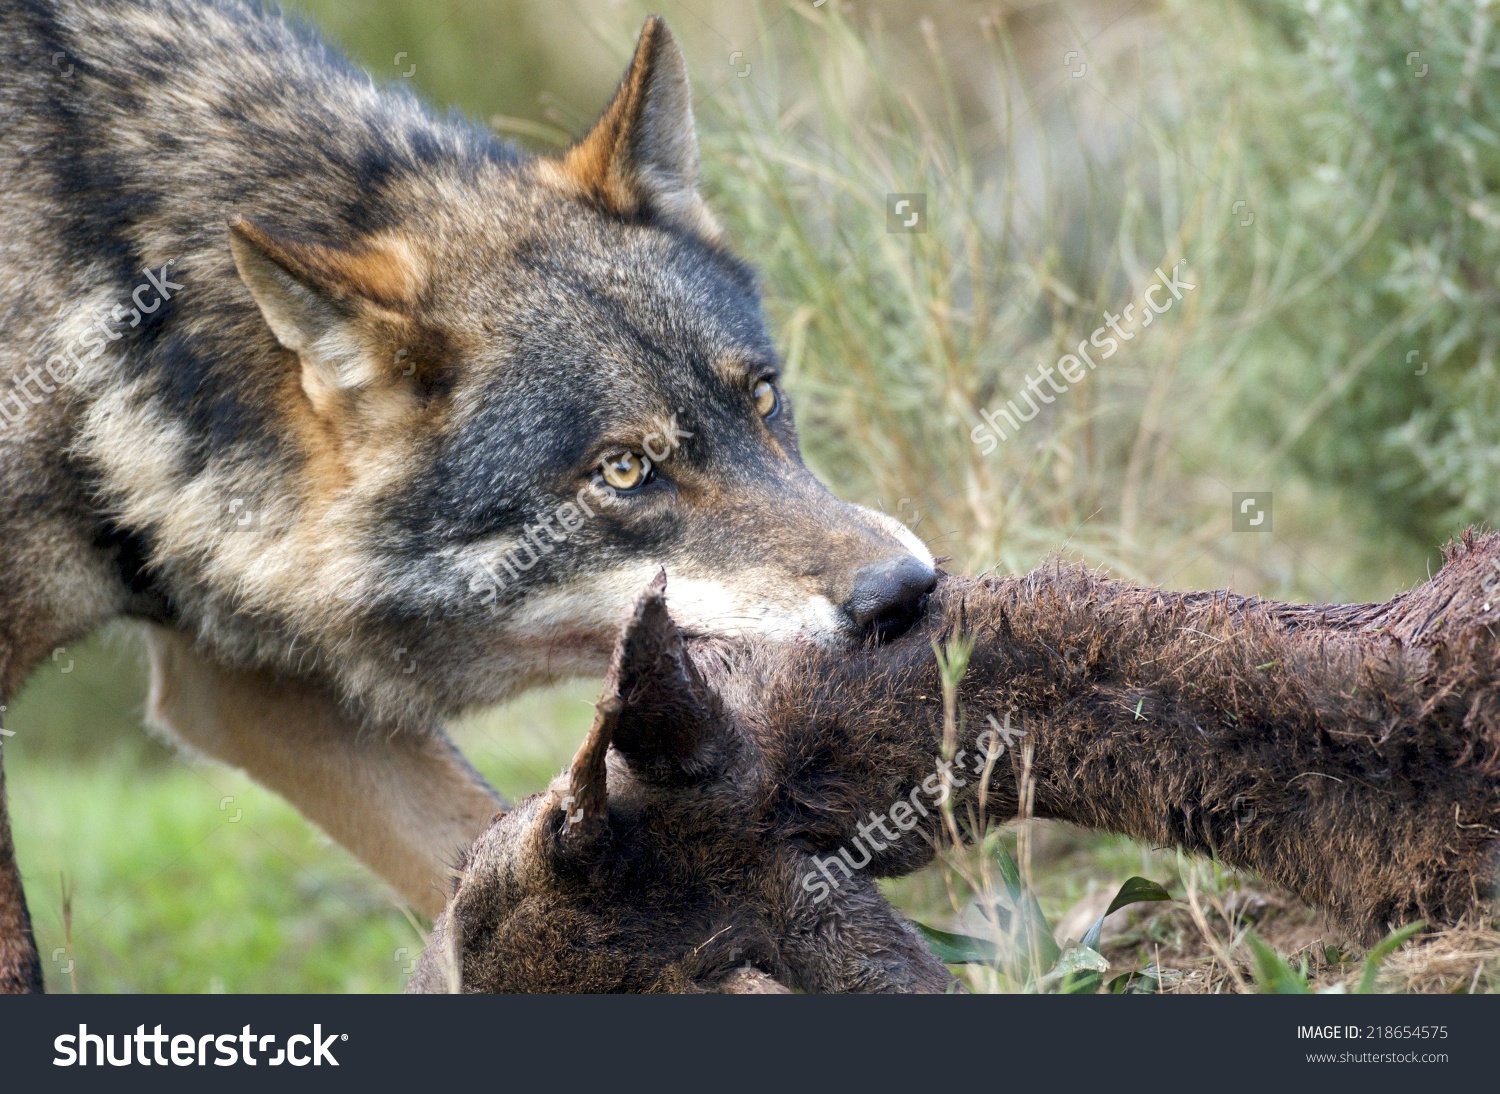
column 641, row 157
column 340, row 310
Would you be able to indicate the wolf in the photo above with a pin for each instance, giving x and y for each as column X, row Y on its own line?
column 370, row 418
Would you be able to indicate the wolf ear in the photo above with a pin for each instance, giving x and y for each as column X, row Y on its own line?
column 656, row 711
column 341, row 311
column 641, row 157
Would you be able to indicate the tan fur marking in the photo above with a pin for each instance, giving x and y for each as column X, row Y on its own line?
column 406, row 805
column 599, row 165
column 386, row 271
column 634, row 158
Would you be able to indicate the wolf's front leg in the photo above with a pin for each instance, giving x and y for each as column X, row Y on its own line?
column 406, row 804
column 20, row 968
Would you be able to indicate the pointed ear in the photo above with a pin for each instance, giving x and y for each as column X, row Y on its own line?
column 641, row 157
column 670, row 718
column 656, row 711
column 586, row 805
column 345, row 313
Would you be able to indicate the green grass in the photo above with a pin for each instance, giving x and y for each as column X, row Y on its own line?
column 186, row 877
column 169, row 893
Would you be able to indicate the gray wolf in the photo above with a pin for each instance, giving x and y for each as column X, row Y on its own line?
column 370, row 418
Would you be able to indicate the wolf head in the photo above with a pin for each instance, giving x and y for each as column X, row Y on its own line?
column 538, row 385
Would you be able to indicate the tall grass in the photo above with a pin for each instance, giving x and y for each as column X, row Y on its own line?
column 894, row 341
column 1051, row 202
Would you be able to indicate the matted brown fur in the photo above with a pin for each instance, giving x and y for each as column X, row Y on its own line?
column 660, row 870
column 1348, row 753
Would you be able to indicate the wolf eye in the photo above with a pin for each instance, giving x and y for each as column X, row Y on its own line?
column 625, row 470
column 767, row 402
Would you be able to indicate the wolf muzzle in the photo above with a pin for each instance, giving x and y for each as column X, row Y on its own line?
column 889, row 596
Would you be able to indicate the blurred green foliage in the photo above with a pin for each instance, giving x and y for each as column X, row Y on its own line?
column 1381, row 182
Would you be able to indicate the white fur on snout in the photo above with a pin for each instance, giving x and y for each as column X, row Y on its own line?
column 732, row 608
column 595, row 604
column 571, row 628
column 751, row 602
column 907, row 538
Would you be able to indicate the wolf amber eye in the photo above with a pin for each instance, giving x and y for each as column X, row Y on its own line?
column 767, row 402
column 625, row 470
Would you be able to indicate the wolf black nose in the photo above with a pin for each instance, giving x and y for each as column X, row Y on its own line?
column 887, row 597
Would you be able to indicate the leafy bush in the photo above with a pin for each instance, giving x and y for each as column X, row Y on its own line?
column 1378, row 374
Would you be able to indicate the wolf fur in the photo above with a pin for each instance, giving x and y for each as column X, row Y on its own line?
column 319, row 387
